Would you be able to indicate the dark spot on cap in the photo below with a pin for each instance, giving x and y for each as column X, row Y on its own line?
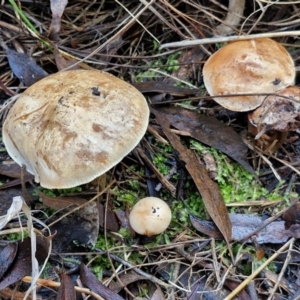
column 96, row 127
column 276, row 81
column 95, row 91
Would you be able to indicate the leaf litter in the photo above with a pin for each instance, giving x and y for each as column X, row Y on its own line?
column 97, row 35
column 209, row 190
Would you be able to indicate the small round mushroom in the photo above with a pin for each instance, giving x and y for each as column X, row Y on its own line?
column 73, row 126
column 251, row 66
column 150, row 216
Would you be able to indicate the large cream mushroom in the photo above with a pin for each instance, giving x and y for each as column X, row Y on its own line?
column 73, row 126
column 257, row 66
column 150, row 216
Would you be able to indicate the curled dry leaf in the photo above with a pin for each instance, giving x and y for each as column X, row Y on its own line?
column 12, row 212
column 279, row 112
column 125, row 280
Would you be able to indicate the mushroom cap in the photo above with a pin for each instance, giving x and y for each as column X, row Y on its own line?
column 250, row 66
column 279, row 112
column 73, row 126
column 150, row 216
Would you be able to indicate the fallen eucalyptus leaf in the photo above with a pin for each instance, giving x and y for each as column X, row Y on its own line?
column 243, row 225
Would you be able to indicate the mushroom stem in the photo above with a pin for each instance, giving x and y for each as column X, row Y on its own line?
column 233, row 18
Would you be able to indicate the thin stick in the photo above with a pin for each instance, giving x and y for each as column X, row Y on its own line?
column 224, row 39
column 51, row 283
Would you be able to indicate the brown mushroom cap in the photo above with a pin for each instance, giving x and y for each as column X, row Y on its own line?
column 150, row 216
column 73, row 126
column 250, row 66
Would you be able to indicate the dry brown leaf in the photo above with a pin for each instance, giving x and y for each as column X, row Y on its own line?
column 158, row 294
column 66, row 290
column 77, row 229
column 89, row 280
column 292, row 215
column 163, row 87
column 58, row 203
column 208, row 189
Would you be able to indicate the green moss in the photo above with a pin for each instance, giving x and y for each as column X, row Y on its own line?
column 162, row 64
column 236, row 184
column 160, row 161
column 17, row 236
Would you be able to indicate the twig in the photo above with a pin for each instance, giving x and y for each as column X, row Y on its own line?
column 224, row 39
column 138, row 271
column 50, row 283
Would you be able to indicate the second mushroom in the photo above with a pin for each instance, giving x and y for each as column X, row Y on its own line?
column 257, row 67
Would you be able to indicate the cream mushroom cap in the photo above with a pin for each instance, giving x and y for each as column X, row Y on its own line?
column 249, row 66
column 150, row 216
column 73, row 126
